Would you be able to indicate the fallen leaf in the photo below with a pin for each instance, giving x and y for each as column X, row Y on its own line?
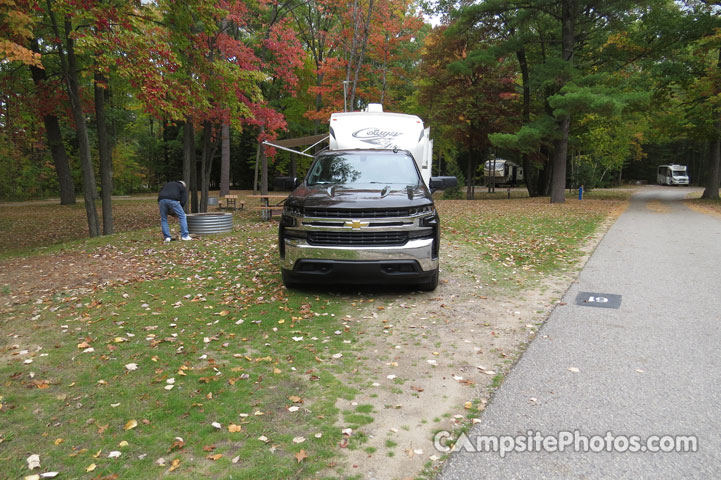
column 300, row 456
column 299, row 440
column 215, row 457
column 114, row 454
column 130, row 425
column 91, row 467
column 233, row 428
column 174, row 465
column 295, row 399
column 177, row 444
column 217, row 425
column 574, row 369
column 33, row 461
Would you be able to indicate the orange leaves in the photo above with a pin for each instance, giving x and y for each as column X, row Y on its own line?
column 300, row 456
column 130, row 425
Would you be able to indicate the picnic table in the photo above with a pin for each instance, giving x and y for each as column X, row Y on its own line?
column 267, row 210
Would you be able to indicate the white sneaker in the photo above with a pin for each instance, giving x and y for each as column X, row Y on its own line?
column 167, row 240
column 187, row 237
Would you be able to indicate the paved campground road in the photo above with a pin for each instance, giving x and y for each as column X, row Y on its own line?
column 650, row 367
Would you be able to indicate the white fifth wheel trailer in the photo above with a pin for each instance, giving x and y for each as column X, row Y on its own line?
column 379, row 130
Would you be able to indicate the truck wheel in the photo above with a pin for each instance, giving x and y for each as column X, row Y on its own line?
column 287, row 281
column 430, row 284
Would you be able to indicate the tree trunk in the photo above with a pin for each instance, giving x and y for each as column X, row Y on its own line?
column 205, row 159
column 713, row 175
column 225, row 161
column 188, row 155
column 263, row 171
column 106, row 159
column 558, row 182
column 351, row 53
column 361, row 55
column 70, row 74
column 471, row 177
column 55, row 141
column 293, row 166
column 531, row 172
column 558, row 174
column 193, row 186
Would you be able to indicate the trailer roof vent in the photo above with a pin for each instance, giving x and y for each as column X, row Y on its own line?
column 374, row 108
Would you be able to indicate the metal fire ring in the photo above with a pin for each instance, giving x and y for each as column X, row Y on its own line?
column 202, row 223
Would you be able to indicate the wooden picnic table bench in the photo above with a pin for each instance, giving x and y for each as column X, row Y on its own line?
column 231, row 201
column 267, row 210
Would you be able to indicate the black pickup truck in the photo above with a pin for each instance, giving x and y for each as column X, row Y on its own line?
column 362, row 217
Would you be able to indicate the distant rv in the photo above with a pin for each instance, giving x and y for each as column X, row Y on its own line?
column 672, row 175
column 505, row 173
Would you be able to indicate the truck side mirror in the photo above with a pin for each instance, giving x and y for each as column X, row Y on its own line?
column 285, row 183
column 442, row 183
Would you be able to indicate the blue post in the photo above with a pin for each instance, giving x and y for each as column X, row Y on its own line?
column 580, row 192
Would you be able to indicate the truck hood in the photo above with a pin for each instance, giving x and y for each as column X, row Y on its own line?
column 360, row 197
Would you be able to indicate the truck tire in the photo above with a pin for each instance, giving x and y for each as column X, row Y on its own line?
column 430, row 284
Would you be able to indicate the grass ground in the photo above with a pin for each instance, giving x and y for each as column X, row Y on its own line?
column 205, row 366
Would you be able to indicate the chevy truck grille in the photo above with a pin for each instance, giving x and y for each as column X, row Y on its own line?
column 347, row 213
column 357, row 238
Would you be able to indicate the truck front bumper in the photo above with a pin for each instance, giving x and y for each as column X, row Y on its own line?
column 412, row 262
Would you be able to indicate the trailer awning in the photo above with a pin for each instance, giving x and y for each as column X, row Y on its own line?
column 300, row 141
column 289, row 143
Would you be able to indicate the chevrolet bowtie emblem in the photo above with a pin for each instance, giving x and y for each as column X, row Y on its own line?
column 356, row 224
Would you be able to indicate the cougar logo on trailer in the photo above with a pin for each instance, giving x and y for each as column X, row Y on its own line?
column 376, row 136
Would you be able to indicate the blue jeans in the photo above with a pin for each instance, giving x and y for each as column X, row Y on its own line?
column 166, row 206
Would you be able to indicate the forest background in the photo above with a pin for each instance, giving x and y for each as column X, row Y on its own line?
column 116, row 97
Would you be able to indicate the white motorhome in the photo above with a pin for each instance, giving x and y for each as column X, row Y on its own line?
column 672, row 175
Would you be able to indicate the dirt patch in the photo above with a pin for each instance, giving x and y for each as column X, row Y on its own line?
column 657, row 206
column 431, row 359
column 31, row 279
column 707, row 207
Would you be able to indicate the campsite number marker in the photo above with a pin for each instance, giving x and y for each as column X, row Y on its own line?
column 592, row 299
column 602, row 300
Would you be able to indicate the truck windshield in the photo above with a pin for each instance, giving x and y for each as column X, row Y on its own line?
column 363, row 168
column 678, row 173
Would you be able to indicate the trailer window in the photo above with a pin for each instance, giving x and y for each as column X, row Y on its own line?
column 363, row 168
